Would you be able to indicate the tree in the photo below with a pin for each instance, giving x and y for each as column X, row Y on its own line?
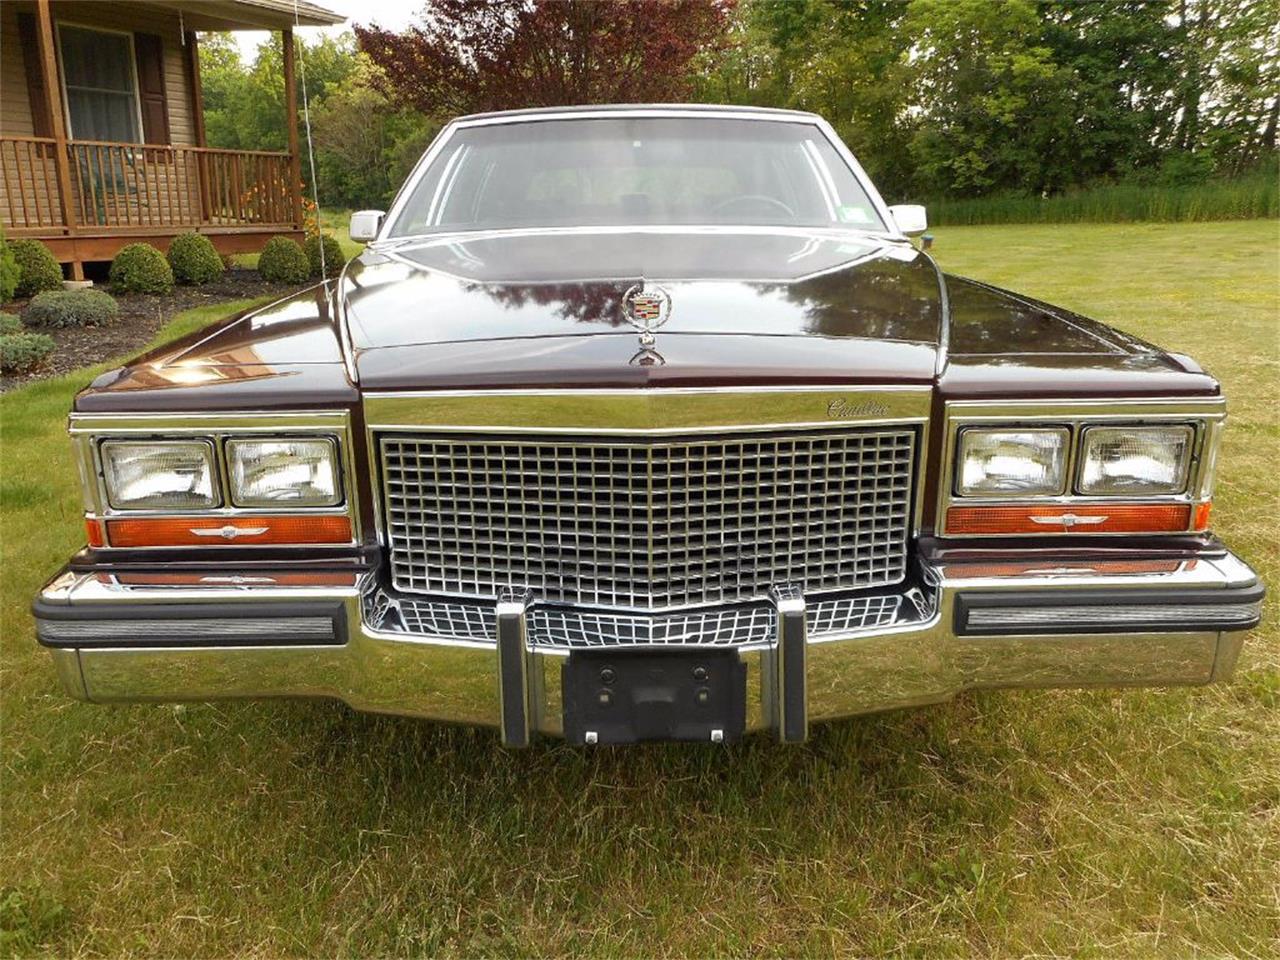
column 364, row 146
column 244, row 106
column 996, row 109
column 477, row 55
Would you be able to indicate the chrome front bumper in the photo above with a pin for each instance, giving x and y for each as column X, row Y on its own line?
column 121, row 635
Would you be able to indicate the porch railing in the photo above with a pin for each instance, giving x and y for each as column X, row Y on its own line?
column 135, row 186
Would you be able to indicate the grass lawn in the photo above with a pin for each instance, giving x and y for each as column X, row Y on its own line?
column 1088, row 823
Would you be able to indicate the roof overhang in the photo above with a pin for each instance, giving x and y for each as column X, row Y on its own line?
column 250, row 14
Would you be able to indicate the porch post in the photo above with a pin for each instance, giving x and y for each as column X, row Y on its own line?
column 53, row 97
column 192, row 46
column 291, row 121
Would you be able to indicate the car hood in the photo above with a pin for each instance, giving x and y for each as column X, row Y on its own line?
column 544, row 309
column 548, row 305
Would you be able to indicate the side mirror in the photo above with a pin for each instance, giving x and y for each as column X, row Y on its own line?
column 909, row 217
column 365, row 225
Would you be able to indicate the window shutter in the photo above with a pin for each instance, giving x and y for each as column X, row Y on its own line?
column 151, row 93
column 40, row 120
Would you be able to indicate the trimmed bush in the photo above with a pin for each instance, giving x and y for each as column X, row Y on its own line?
column 20, row 352
column 71, row 308
column 141, row 268
column 9, row 272
column 10, row 323
column 193, row 259
column 333, row 258
column 283, row 261
column 37, row 268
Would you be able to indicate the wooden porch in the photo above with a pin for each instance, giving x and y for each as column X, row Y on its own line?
column 85, row 198
column 143, row 192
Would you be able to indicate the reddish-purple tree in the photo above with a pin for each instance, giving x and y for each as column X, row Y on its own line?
column 476, row 55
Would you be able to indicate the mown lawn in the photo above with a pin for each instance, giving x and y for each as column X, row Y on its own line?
column 1085, row 823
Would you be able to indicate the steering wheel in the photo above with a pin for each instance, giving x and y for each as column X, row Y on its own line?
column 750, row 198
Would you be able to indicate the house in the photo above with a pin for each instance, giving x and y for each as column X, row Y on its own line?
column 102, row 138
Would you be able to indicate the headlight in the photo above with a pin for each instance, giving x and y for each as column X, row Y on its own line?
column 300, row 473
column 1135, row 460
column 163, row 474
column 1012, row 461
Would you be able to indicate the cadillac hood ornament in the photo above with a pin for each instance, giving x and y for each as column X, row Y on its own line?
column 646, row 309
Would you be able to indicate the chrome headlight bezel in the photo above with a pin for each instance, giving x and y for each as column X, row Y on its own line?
column 236, row 479
column 206, row 453
column 90, row 431
column 1203, row 416
column 1057, row 468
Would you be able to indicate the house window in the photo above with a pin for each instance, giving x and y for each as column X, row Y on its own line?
column 101, row 91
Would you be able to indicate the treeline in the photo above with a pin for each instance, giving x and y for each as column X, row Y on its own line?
column 364, row 144
column 989, row 110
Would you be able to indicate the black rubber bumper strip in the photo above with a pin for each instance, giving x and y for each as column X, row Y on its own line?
column 1117, row 599
column 151, row 620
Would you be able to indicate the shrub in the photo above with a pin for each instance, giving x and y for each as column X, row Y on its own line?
column 9, row 272
column 284, row 261
column 193, row 259
column 71, row 308
column 141, row 268
column 37, row 268
column 333, row 258
column 20, row 352
column 10, row 323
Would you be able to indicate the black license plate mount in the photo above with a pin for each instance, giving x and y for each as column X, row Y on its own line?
column 630, row 696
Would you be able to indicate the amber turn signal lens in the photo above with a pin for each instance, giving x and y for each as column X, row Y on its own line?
column 227, row 531
column 1080, row 519
column 1202, row 516
column 93, row 532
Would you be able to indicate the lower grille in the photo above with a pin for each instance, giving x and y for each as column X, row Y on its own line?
column 647, row 524
column 577, row 629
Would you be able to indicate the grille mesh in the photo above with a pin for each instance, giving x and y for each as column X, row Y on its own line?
column 647, row 524
column 580, row 629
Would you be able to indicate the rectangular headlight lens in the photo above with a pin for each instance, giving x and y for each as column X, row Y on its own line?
column 1017, row 462
column 1135, row 460
column 159, row 475
column 300, row 473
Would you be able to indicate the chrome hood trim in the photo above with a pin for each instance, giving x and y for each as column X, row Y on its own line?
column 646, row 411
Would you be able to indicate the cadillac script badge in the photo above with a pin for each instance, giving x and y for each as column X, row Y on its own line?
column 646, row 309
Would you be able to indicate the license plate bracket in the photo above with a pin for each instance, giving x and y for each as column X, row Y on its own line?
column 629, row 696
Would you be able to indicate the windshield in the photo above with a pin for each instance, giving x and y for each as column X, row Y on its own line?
column 636, row 171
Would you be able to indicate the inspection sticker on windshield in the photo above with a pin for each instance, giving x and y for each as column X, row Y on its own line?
column 853, row 214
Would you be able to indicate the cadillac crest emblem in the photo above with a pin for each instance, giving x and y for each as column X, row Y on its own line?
column 646, row 309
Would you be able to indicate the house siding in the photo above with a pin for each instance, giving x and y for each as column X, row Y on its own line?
column 15, row 107
column 121, row 194
column 170, row 198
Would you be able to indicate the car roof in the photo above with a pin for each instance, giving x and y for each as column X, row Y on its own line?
column 703, row 108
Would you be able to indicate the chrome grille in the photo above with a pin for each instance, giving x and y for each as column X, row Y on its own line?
column 644, row 524
column 581, row 629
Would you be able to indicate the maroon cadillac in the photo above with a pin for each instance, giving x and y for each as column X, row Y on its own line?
column 637, row 423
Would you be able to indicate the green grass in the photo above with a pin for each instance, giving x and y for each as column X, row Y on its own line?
column 1098, row 823
column 1244, row 198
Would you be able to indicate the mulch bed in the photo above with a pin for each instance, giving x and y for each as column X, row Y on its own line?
column 141, row 315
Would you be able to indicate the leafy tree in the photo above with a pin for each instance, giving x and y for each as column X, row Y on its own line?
column 365, row 147
column 477, row 55
column 244, row 104
column 843, row 60
column 995, row 108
